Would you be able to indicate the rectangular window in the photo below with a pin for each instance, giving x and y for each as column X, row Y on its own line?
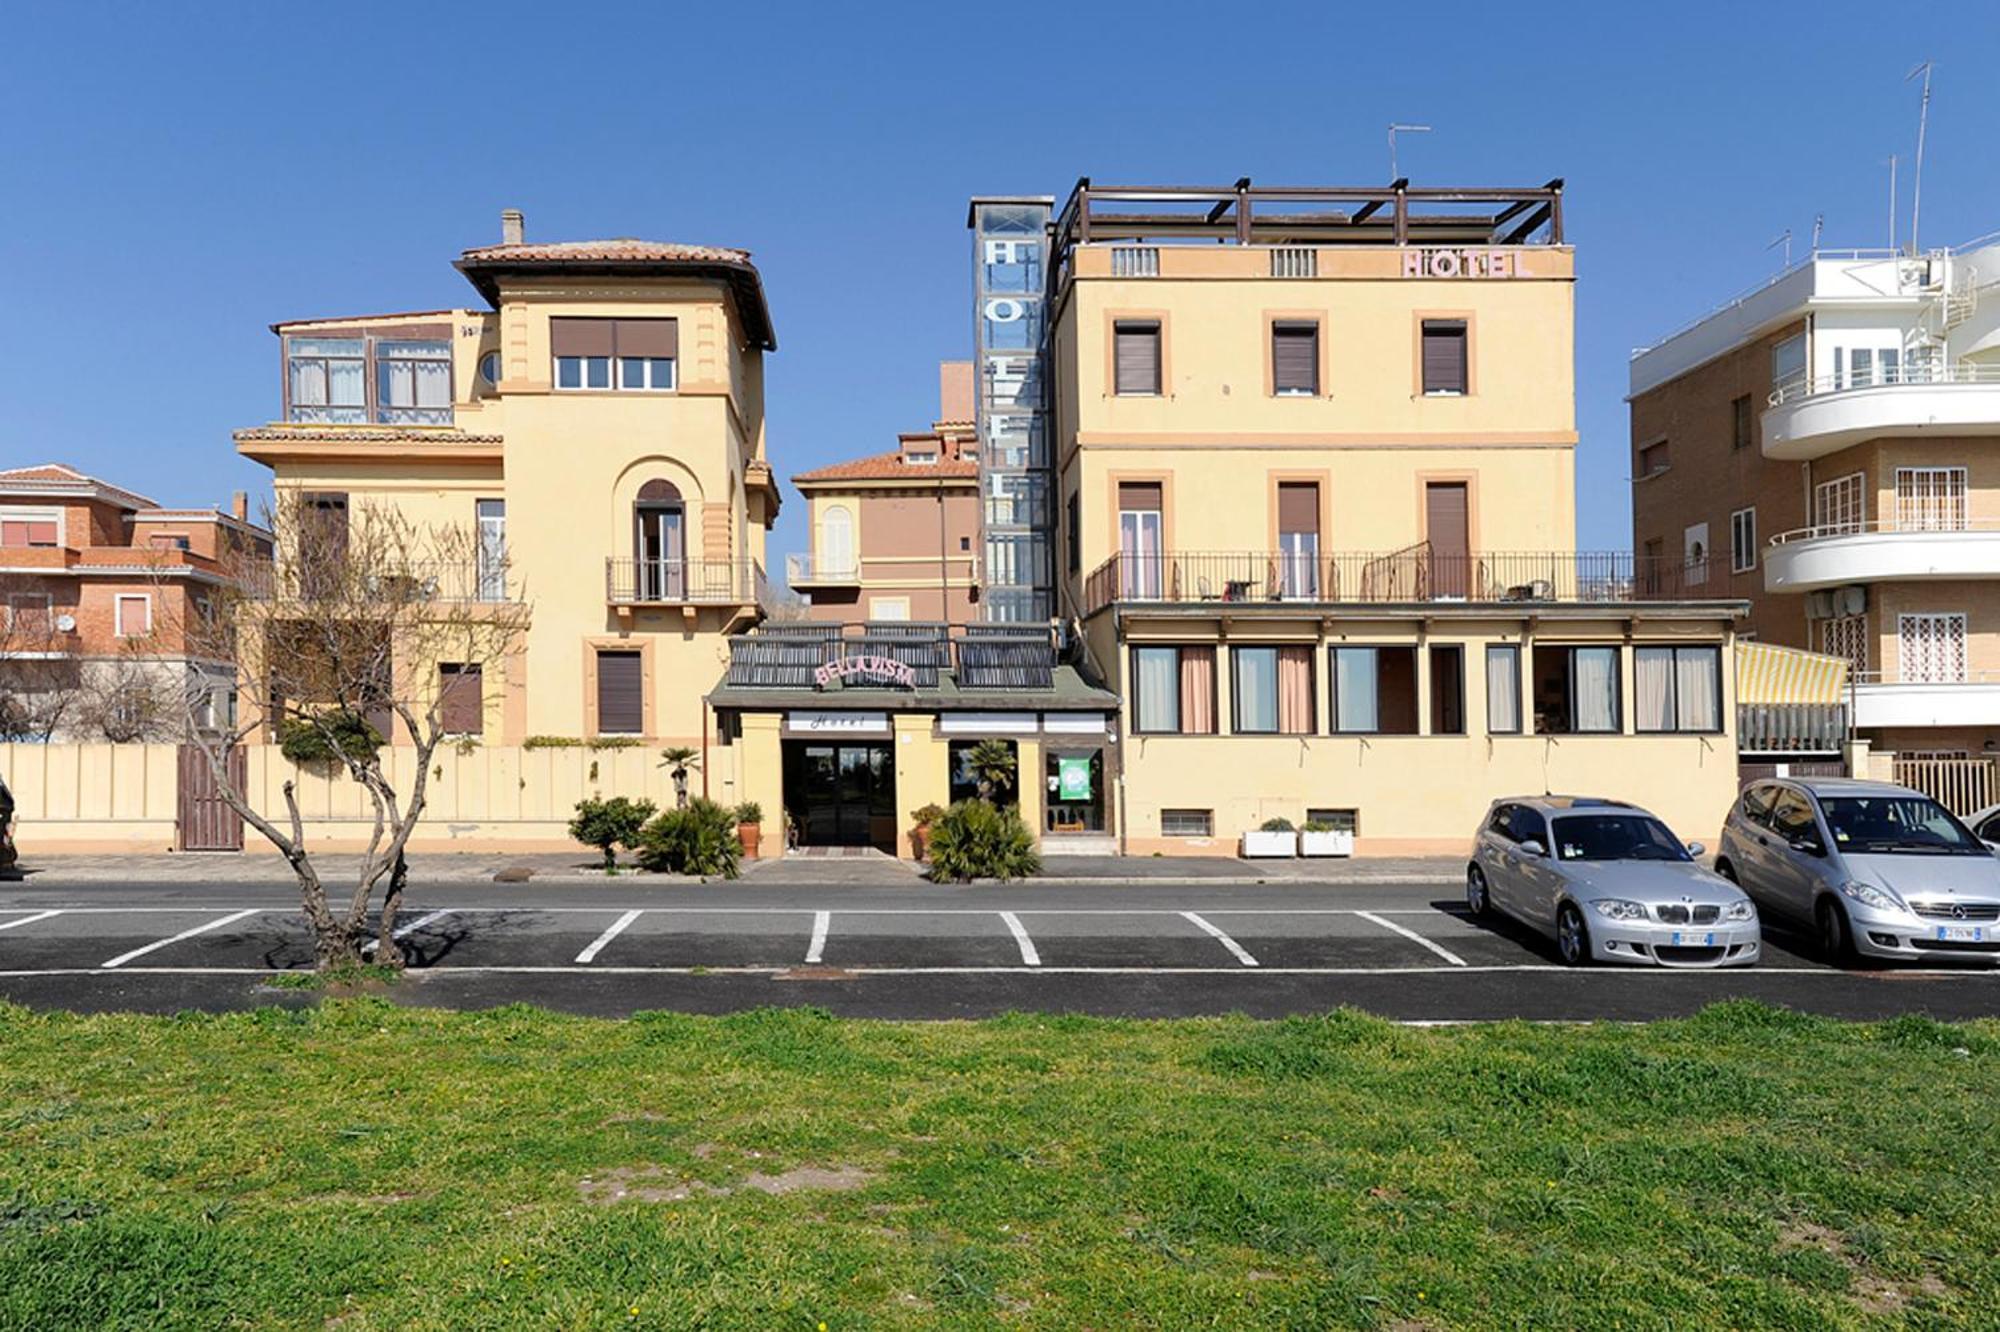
column 1295, row 358
column 134, row 615
column 1136, row 357
column 634, row 355
column 1337, row 820
column 1788, row 366
column 1187, row 823
column 1444, row 360
column 1173, row 690
column 492, row 516
column 328, row 380
column 1930, row 499
column 1931, row 648
column 413, row 383
column 166, row 541
column 1298, row 539
column 1740, row 424
column 30, row 614
column 1503, row 690
column 1743, row 540
column 621, row 698
column 1839, row 506
column 1576, row 690
column 1073, row 532
column 1447, row 690
column 462, row 698
column 1374, row 690
column 30, row 532
column 1677, row 689
column 1653, row 459
column 1140, row 556
column 1272, row 688
column 1846, row 636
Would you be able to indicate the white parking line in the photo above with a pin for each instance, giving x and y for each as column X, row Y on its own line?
column 1441, row 951
column 410, row 928
column 123, row 958
column 1029, row 957
column 28, row 920
column 821, row 921
column 618, row 927
column 1242, row 954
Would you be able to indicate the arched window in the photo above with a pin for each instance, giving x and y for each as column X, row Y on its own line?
column 836, row 539
column 659, row 544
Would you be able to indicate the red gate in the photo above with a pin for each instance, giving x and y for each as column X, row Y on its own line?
column 207, row 823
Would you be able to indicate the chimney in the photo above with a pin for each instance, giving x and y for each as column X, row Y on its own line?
column 512, row 226
column 239, row 506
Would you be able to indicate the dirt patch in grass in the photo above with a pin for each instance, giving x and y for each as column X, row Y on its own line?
column 1874, row 1293
column 655, row 1184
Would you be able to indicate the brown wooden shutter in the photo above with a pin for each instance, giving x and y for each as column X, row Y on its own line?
column 1444, row 356
column 1142, row 495
column 1137, row 357
column 462, row 698
column 1446, row 527
column 1298, row 506
column 580, row 337
column 621, row 702
column 1295, row 358
column 648, row 337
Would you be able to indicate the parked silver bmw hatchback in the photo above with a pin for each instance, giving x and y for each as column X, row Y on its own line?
column 1607, row 881
column 1875, row 869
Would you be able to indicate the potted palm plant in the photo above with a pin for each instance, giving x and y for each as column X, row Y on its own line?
column 991, row 763
column 922, row 817
column 1275, row 838
column 750, row 827
column 678, row 759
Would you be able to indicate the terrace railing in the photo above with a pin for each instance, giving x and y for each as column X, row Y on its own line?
column 677, row 582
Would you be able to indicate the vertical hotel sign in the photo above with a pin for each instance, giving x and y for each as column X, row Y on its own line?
column 1009, row 276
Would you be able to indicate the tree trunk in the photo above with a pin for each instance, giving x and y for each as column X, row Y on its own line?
column 388, row 952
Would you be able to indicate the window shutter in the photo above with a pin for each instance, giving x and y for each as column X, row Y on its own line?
column 621, row 707
column 648, row 337
column 1139, row 495
column 462, row 699
column 1295, row 358
column 1298, row 506
column 1444, row 356
column 1137, row 358
column 581, row 337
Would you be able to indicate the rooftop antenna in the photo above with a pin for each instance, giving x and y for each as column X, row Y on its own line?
column 1923, row 123
column 1819, row 221
column 1892, row 203
column 1394, row 174
column 1786, row 241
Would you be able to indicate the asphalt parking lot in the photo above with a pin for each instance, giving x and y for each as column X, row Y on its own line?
column 1407, row 951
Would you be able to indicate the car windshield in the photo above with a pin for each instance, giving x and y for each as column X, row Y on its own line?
column 1897, row 825
column 1615, row 837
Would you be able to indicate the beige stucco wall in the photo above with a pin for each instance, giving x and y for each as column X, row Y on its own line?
column 92, row 797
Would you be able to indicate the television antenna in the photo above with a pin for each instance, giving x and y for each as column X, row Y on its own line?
column 1819, row 222
column 1892, row 203
column 1923, row 123
column 1786, row 241
column 1394, row 128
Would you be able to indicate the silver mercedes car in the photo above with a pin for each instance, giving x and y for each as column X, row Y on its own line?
column 1609, row 883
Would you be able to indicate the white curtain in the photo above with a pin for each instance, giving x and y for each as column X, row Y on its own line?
column 1356, row 698
column 836, row 540
column 1594, row 682
column 1698, row 689
column 1503, row 690
column 1159, row 690
column 1256, row 689
column 1653, row 671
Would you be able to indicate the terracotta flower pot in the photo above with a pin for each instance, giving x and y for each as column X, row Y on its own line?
column 750, row 836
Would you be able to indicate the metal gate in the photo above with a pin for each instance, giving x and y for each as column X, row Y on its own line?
column 1962, row 785
column 207, row 823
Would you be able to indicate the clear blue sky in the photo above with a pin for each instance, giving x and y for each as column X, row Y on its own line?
column 173, row 178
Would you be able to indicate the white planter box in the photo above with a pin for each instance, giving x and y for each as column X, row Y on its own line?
column 1258, row 845
column 1326, row 843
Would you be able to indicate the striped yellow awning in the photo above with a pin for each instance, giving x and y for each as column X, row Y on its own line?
column 1767, row 673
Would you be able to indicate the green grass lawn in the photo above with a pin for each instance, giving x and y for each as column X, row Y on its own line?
column 363, row 1165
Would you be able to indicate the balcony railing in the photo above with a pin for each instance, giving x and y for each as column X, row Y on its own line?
column 801, row 569
column 1915, row 375
column 1414, row 574
column 1941, row 516
column 679, row 582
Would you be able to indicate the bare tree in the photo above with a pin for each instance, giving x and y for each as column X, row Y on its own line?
column 41, row 676
column 340, row 644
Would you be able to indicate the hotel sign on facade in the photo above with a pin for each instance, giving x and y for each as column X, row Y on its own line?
column 1443, row 262
column 1010, row 270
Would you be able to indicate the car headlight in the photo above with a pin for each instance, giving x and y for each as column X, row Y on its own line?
column 1617, row 908
column 1870, row 896
column 1739, row 911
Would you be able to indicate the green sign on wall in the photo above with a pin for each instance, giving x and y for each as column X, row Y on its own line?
column 1072, row 778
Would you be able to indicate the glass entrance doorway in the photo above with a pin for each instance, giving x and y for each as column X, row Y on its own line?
column 841, row 794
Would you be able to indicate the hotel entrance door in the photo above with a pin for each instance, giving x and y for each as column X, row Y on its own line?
column 842, row 794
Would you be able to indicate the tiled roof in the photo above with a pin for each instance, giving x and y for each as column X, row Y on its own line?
column 623, row 249
column 485, row 264
column 889, row 467
column 366, row 434
column 44, row 472
column 61, row 479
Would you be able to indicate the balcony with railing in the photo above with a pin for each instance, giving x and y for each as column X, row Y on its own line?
column 1934, row 540
column 809, row 570
column 1414, row 574
column 683, row 582
column 1940, row 692
column 1811, row 417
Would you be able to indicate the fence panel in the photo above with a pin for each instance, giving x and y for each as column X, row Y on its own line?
column 1962, row 786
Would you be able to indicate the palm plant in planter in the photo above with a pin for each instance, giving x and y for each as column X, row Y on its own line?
column 923, row 816
column 750, row 827
column 679, row 759
column 992, row 765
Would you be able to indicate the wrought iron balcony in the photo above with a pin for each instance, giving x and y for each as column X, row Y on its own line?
column 680, row 582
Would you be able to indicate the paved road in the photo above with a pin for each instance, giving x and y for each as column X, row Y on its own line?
column 908, row 950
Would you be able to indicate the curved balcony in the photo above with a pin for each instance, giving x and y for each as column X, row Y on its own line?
column 1816, row 557
column 1884, row 701
column 1812, row 418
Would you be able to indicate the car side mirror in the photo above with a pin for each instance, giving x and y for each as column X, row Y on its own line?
column 1533, row 848
column 1697, row 850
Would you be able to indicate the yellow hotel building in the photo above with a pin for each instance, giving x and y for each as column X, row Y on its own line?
column 599, row 420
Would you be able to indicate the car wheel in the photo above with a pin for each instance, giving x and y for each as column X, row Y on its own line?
column 1728, row 871
column 1476, row 899
column 1572, row 936
column 1836, row 939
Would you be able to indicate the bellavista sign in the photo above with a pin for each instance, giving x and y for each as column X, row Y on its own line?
column 866, row 668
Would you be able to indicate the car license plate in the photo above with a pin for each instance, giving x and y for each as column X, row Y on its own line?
column 1693, row 940
column 1960, row 934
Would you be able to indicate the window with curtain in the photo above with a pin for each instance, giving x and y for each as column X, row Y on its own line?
column 1273, row 690
column 1298, row 539
column 1140, row 527
column 1677, row 689
column 413, row 382
column 836, row 540
column 1374, row 690
column 1174, row 690
column 327, row 380
column 1576, row 690
column 1503, row 690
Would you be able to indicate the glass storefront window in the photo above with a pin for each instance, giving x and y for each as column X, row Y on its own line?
column 1075, row 796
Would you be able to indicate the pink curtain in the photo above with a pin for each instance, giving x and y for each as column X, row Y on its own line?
column 1197, row 691
column 1295, row 690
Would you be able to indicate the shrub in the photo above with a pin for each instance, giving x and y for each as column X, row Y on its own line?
column 977, row 840
column 606, row 824
column 749, row 812
column 335, row 738
column 1279, row 824
column 926, row 815
column 551, row 742
column 1315, row 825
column 697, row 839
